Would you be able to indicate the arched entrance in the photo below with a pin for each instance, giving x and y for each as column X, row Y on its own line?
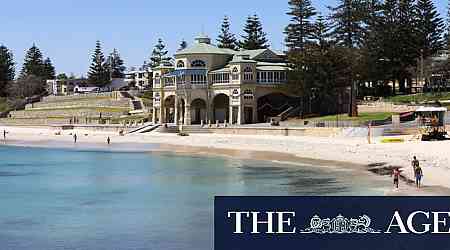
column 272, row 105
column 169, row 106
column 221, row 104
column 198, row 111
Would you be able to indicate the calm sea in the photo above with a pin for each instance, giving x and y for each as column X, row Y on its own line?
column 67, row 199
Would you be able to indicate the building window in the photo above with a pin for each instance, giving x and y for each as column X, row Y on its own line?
column 198, row 79
column 220, row 78
column 169, row 81
column 180, row 64
column 235, row 74
column 198, row 64
column 235, row 94
column 181, row 79
column 248, row 94
column 248, row 74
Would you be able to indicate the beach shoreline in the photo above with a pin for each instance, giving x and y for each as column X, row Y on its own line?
column 336, row 153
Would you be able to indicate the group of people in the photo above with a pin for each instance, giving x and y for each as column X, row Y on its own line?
column 75, row 138
column 417, row 172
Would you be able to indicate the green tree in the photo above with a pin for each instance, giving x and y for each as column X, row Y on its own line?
column 348, row 23
column 62, row 76
column 159, row 54
column 408, row 39
column 98, row 72
column 7, row 69
column 115, row 65
column 226, row 39
column 183, row 45
column 301, row 28
column 372, row 68
column 348, row 30
column 430, row 28
column 254, row 37
column 33, row 63
column 49, row 69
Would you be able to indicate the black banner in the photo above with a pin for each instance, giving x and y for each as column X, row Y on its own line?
column 332, row 223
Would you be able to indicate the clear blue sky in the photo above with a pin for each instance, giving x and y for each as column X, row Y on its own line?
column 66, row 30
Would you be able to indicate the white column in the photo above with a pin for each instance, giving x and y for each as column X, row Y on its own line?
column 239, row 118
column 154, row 115
column 231, row 115
column 176, row 111
column 162, row 112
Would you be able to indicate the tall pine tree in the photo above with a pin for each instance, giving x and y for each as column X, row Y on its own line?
column 226, row 39
column 301, row 29
column 408, row 39
column 159, row 54
column 430, row 28
column 98, row 72
column 7, row 70
column 348, row 30
column 49, row 69
column 115, row 65
column 254, row 37
column 348, row 23
column 33, row 63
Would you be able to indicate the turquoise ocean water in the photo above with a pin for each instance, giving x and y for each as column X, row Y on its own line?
column 93, row 200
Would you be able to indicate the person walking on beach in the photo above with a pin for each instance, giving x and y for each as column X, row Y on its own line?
column 108, row 140
column 74, row 138
column 415, row 164
column 419, row 175
column 396, row 173
column 4, row 134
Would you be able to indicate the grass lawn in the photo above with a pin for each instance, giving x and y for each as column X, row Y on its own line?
column 363, row 117
column 423, row 97
column 3, row 104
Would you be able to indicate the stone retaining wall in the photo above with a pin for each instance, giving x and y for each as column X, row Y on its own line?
column 37, row 121
column 320, row 132
column 113, row 95
column 381, row 107
column 64, row 113
column 123, row 103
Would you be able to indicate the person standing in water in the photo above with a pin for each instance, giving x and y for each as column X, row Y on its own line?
column 74, row 138
column 108, row 140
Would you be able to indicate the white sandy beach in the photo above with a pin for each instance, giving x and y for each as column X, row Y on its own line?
column 434, row 156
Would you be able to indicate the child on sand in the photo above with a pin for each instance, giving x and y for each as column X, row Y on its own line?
column 396, row 173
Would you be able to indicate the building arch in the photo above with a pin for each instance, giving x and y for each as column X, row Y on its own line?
column 169, row 109
column 180, row 64
column 221, row 107
column 198, row 111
